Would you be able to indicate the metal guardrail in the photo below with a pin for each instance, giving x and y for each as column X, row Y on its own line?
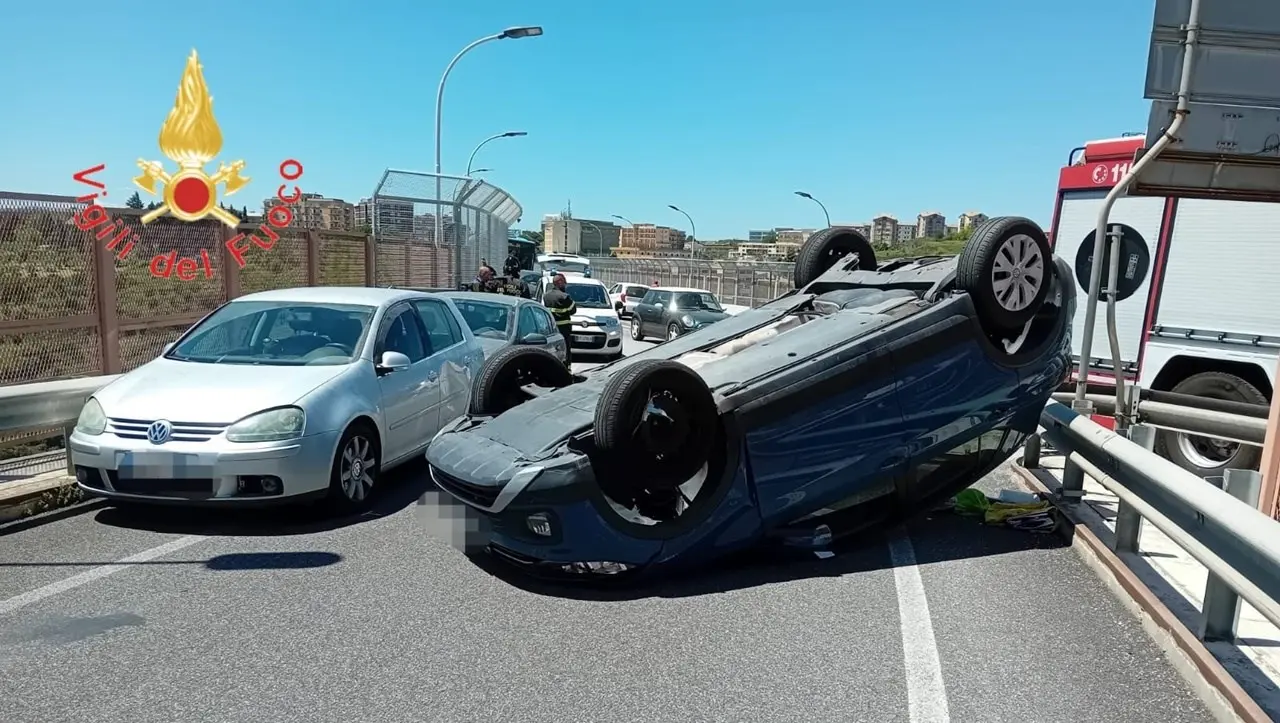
column 45, row 405
column 1190, row 418
column 1221, row 528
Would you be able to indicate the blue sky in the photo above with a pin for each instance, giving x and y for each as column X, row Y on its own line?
column 722, row 108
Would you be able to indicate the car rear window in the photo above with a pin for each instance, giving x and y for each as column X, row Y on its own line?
column 638, row 291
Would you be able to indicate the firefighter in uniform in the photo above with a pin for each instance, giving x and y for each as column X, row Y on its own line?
column 561, row 306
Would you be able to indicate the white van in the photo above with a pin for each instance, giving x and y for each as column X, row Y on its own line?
column 566, row 264
column 597, row 331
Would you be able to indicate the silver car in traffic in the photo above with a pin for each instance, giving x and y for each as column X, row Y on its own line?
column 499, row 321
column 281, row 395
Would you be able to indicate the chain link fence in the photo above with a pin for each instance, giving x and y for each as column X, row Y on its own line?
column 435, row 230
column 742, row 283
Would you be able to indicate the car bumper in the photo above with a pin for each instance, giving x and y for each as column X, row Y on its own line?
column 547, row 526
column 592, row 342
column 215, row 472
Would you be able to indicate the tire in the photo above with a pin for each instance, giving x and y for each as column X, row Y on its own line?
column 823, row 249
column 1014, row 249
column 359, row 442
column 637, row 334
column 1203, row 456
column 497, row 387
column 673, row 332
column 678, row 447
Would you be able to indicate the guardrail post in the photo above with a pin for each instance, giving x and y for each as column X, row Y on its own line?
column 1031, row 452
column 1128, row 521
column 1072, row 489
column 1221, row 611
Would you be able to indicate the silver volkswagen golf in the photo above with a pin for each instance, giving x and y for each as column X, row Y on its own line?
column 281, row 395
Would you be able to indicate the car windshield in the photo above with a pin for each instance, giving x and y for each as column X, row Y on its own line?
column 485, row 318
column 697, row 300
column 588, row 296
column 277, row 333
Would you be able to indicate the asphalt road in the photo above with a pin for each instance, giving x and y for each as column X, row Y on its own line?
column 107, row 617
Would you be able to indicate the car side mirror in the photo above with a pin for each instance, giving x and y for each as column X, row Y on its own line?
column 534, row 339
column 392, row 361
column 168, row 348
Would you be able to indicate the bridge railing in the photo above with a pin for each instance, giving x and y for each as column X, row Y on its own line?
column 1221, row 528
column 741, row 283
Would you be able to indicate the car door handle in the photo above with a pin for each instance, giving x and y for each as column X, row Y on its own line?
column 432, row 376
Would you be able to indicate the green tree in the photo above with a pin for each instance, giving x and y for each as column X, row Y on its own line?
column 135, row 201
column 769, row 238
column 534, row 236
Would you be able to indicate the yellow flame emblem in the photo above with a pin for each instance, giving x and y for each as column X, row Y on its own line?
column 191, row 138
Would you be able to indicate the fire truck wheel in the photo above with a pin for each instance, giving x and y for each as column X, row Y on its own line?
column 1205, row 456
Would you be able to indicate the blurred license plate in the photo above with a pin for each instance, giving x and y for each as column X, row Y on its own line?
column 163, row 465
column 584, row 338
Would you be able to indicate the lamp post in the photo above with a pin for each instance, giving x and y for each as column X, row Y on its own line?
column 693, row 230
column 528, row 31
column 508, row 134
column 599, row 236
column 802, row 194
column 625, row 220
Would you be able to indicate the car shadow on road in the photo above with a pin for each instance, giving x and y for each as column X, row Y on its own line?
column 399, row 489
column 935, row 537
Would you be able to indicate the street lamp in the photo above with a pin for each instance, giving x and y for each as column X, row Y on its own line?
column 508, row 134
column 693, row 230
column 528, row 31
column 620, row 218
column 802, row 194
column 599, row 236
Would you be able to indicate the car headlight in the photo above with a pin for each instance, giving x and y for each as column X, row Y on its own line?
column 269, row 426
column 92, row 421
column 608, row 321
column 687, row 320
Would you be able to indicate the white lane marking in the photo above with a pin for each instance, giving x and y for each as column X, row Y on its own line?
column 926, row 692
column 97, row 573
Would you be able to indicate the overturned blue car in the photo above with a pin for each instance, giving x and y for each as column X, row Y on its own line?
column 869, row 393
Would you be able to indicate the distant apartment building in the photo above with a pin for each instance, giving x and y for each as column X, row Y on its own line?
column 759, row 236
column 316, row 212
column 561, row 235
column 650, row 237
column 794, row 236
column 931, row 224
column 388, row 219
column 953, row 230
column 972, row 219
column 599, row 238
column 781, row 251
column 884, row 230
column 905, row 232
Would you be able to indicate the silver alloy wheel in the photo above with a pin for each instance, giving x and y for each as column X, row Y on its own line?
column 355, row 471
column 1018, row 272
column 1206, row 452
column 635, row 329
column 672, row 332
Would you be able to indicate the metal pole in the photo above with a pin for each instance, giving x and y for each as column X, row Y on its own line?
column 599, row 236
column 1113, row 278
column 1128, row 521
column 693, row 231
column 1220, row 613
column 472, row 158
column 1095, row 276
column 803, row 194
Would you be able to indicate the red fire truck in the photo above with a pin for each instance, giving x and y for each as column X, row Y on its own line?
column 1197, row 312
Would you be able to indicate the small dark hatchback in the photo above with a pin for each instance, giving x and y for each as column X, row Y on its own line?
column 670, row 313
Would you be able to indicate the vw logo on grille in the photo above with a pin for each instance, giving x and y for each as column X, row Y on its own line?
column 159, row 432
